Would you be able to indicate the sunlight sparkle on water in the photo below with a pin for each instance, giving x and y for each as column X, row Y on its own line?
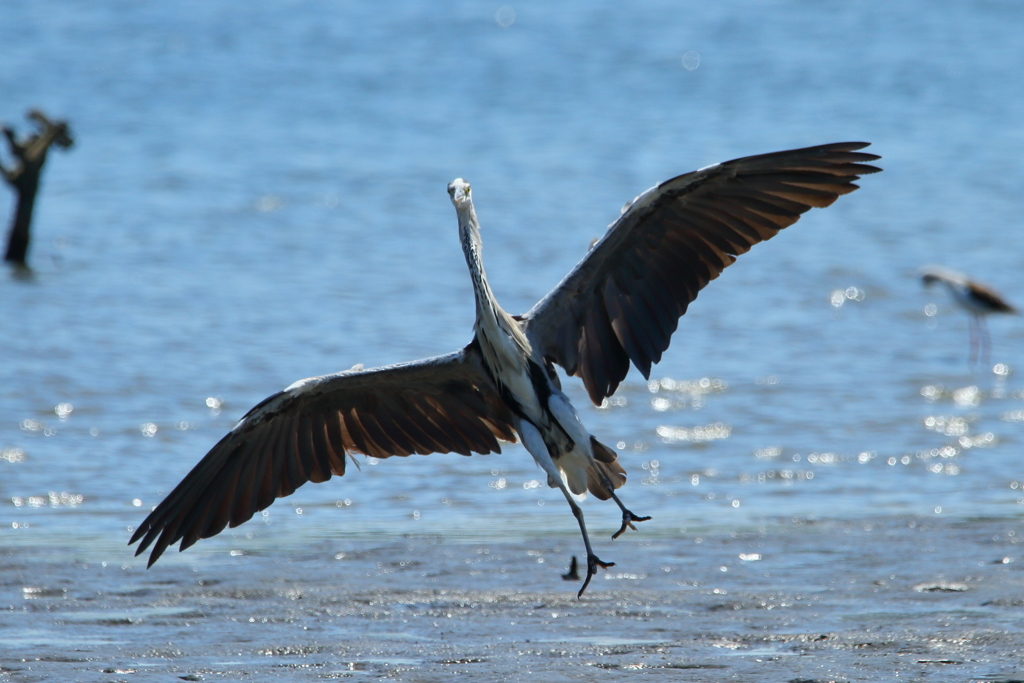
column 979, row 441
column 505, row 16
column 683, row 393
column 841, row 296
column 947, row 425
column 691, row 60
column 769, row 452
column 704, row 385
column 711, row 432
column 661, row 404
column 967, row 396
column 613, row 402
column 52, row 499
column 12, row 455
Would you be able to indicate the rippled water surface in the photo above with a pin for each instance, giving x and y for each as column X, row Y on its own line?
column 257, row 195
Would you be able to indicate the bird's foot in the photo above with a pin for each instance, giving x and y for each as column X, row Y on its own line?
column 573, row 573
column 627, row 522
column 593, row 562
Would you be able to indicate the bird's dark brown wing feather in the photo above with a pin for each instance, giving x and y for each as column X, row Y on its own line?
column 622, row 302
column 444, row 404
column 990, row 299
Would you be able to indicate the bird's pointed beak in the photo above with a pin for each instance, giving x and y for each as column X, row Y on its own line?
column 460, row 192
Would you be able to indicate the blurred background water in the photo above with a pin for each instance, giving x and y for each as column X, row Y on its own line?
column 257, row 194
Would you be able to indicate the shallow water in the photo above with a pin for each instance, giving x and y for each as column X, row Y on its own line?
column 804, row 601
column 258, row 196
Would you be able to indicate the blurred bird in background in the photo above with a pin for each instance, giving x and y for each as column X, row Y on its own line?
column 977, row 299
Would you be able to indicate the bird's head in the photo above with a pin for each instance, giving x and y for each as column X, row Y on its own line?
column 932, row 274
column 460, row 193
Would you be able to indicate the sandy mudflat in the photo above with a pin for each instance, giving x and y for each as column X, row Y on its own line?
column 927, row 600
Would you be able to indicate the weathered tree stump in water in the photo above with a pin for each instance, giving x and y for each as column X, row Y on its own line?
column 29, row 155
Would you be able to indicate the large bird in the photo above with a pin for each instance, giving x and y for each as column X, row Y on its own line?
column 620, row 304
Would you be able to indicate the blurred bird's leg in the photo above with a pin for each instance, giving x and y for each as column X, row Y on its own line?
column 984, row 341
column 972, row 327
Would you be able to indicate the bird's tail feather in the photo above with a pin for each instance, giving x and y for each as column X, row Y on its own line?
column 605, row 467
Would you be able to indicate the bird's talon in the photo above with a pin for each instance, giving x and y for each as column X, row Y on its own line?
column 593, row 562
column 627, row 522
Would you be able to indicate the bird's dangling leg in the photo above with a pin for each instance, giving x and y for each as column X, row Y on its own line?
column 628, row 516
column 975, row 343
column 538, row 449
column 984, row 342
column 593, row 561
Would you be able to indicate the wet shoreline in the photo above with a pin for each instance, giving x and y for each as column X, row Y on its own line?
column 932, row 599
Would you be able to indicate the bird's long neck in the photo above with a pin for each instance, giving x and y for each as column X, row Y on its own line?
column 501, row 337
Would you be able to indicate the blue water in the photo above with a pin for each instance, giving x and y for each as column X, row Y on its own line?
column 257, row 195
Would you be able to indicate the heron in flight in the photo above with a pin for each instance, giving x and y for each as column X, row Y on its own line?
column 619, row 305
column 975, row 298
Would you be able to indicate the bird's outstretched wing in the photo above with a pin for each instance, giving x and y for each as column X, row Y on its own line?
column 622, row 302
column 443, row 404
